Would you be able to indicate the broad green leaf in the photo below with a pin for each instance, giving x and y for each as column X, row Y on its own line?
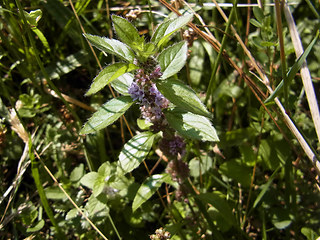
column 89, row 179
column 111, row 46
column 191, row 125
column 309, row 233
column 107, row 114
column 196, row 62
column 95, row 207
column 148, row 188
column 281, row 217
column 258, row 13
column 199, row 167
column 167, row 28
column 77, row 173
column 237, row 171
column 72, row 214
column 122, row 83
column 126, row 32
column 135, row 151
column 108, row 74
column 219, row 202
column 173, row 59
column 182, row 96
column 55, row 193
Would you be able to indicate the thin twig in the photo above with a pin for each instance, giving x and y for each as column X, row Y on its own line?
column 305, row 74
column 70, row 199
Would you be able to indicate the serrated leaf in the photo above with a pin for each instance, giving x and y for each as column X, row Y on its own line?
column 108, row 74
column 191, row 125
column 122, row 83
column 148, row 188
column 167, row 28
column 89, row 179
column 182, row 96
column 107, row 114
column 126, row 32
column 173, row 59
column 135, row 151
column 111, row 46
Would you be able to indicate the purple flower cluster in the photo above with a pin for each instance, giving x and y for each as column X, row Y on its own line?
column 145, row 92
column 177, row 145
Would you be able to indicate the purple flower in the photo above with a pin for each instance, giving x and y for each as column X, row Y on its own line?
column 177, row 145
column 159, row 99
column 136, row 92
column 156, row 73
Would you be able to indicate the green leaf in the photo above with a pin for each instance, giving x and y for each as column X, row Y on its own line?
column 135, row 151
column 126, row 32
column 122, row 83
column 54, row 193
column 281, row 218
column 167, row 28
column 36, row 227
column 255, row 23
column 95, row 207
column 173, row 59
column 293, row 71
column 146, row 51
column 107, row 114
column 265, row 187
column 33, row 17
column 108, row 74
column 111, row 46
column 258, row 13
column 199, row 167
column 89, row 179
column 77, row 173
column 219, row 202
column 182, row 96
column 309, row 233
column 237, row 171
column 148, row 188
column 191, row 125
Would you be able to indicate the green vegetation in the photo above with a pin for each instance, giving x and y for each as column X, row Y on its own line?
column 157, row 120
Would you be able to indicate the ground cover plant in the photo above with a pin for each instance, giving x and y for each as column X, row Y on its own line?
column 159, row 120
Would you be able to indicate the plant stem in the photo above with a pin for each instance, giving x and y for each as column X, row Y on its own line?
column 43, row 198
column 217, row 62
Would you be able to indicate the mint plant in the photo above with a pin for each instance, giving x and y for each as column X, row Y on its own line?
column 173, row 112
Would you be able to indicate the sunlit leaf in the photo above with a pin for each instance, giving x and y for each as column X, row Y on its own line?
column 126, row 32
column 107, row 114
column 122, row 83
column 148, row 188
column 108, row 74
column 173, row 59
column 167, row 28
column 111, row 46
column 182, row 96
column 191, row 125
column 135, row 151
